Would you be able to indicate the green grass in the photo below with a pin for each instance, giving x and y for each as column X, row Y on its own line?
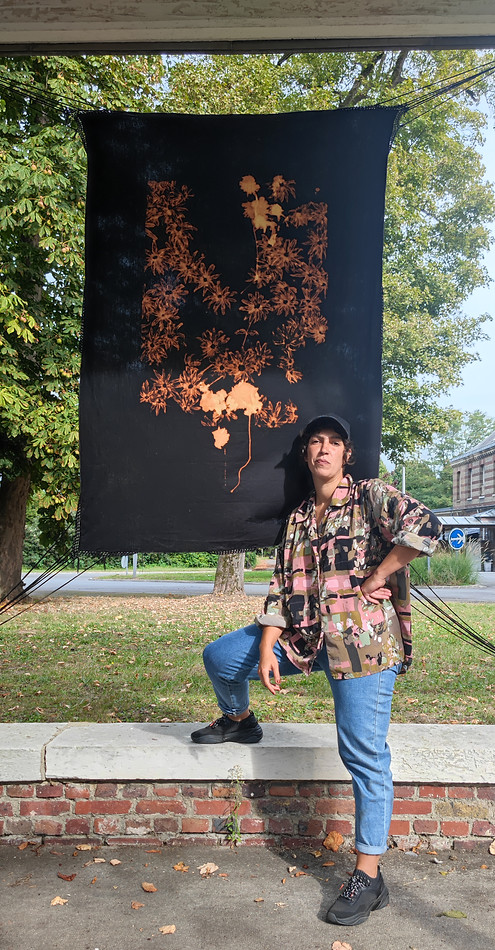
column 106, row 659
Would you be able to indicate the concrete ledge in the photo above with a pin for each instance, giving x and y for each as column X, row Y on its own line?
column 164, row 752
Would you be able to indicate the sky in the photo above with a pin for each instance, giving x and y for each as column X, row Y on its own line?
column 478, row 388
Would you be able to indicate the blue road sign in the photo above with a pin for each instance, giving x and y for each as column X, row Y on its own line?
column 457, row 538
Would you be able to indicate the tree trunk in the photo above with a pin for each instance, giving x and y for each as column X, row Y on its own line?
column 13, row 499
column 229, row 576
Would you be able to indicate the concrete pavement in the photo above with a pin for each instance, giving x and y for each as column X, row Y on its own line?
column 258, row 899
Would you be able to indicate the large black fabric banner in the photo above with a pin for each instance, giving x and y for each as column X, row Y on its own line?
column 233, row 292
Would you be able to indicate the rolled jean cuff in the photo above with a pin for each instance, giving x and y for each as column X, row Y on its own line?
column 369, row 848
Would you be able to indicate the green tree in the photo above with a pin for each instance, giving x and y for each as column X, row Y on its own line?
column 466, row 429
column 42, row 187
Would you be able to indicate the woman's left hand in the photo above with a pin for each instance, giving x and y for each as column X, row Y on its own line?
column 374, row 589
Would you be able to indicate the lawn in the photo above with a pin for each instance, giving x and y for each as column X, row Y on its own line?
column 106, row 659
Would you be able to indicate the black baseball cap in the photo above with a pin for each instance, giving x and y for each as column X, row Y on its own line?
column 337, row 423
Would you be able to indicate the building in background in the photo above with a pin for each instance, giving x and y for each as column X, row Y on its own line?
column 473, row 504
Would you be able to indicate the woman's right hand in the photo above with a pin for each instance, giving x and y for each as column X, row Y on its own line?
column 269, row 664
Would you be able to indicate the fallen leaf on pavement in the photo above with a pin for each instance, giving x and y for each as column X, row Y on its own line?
column 300, row 874
column 58, row 900
column 84, row 847
column 291, row 868
column 338, row 945
column 452, row 913
column 94, row 880
column 169, row 929
column 23, row 846
column 181, row 866
column 492, row 848
column 328, row 864
column 115, row 861
column 281, row 904
column 284, row 880
column 258, row 900
column 333, row 841
column 222, row 875
column 136, row 905
column 149, row 888
column 99, row 861
column 484, row 867
column 66, row 877
column 206, row 869
column 153, row 850
column 317, row 854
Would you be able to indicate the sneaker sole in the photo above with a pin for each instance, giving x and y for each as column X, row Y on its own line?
column 213, row 740
column 381, row 901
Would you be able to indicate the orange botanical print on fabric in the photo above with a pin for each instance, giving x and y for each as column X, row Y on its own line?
column 264, row 325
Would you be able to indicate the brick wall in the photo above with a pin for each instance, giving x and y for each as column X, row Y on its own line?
column 268, row 812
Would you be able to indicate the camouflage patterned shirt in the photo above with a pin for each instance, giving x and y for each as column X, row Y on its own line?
column 315, row 592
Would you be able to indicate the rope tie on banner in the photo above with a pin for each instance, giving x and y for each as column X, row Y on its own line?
column 440, row 613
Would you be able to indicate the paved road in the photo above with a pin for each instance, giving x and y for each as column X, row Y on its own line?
column 66, row 584
column 254, row 901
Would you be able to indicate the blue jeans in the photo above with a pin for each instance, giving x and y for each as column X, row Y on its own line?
column 362, row 714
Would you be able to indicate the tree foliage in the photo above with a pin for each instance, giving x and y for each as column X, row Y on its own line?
column 42, row 188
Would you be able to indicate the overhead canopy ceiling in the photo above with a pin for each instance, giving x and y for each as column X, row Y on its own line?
column 254, row 25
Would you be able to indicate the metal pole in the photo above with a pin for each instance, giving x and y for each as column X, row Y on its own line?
column 134, row 565
column 403, row 479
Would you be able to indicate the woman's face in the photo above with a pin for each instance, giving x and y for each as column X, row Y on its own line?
column 326, row 455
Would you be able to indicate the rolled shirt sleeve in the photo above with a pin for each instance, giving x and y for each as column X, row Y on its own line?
column 403, row 520
column 275, row 612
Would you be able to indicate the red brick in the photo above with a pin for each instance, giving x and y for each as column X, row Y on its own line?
column 50, row 790
column 280, row 826
column 216, row 807
column 222, row 791
column 404, row 791
column 20, row 791
column 399, row 828
column 195, row 791
column 6, row 809
column 77, row 826
column 49, row 807
column 312, row 827
column 1, row 828
column 329, row 806
column 102, row 808
column 455, row 829
column 284, row 791
column 406, row 807
column 135, row 791
column 136, row 826
column 425, row 826
column 107, row 826
column 194, row 826
column 166, row 825
column 487, row 792
column 47, row 827
column 106, row 790
column 166, row 791
column 432, row 791
column 17, row 826
column 483, row 828
column 130, row 840
column 340, row 791
column 77, row 791
column 311, row 791
column 160, row 808
column 345, row 827
column 460, row 791
column 252, row 826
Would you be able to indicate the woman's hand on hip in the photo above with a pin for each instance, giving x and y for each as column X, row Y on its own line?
column 374, row 589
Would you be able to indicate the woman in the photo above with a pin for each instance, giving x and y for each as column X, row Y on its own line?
column 338, row 602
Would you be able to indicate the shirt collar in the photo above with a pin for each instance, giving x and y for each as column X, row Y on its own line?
column 339, row 498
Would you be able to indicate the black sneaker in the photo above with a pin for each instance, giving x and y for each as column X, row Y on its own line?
column 359, row 897
column 226, row 729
